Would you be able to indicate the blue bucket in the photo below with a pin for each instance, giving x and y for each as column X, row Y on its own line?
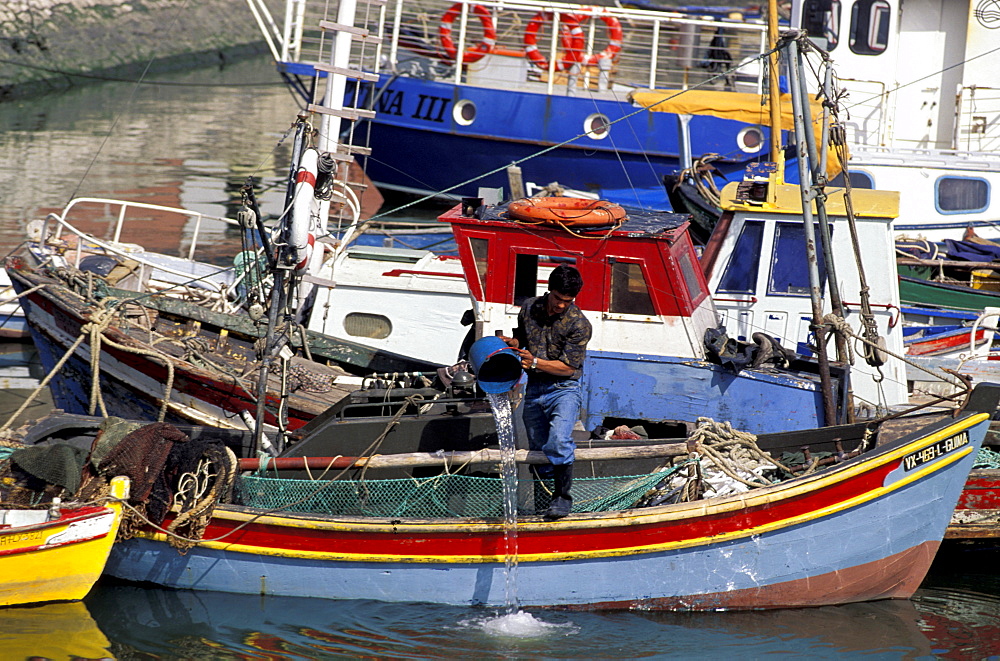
column 497, row 366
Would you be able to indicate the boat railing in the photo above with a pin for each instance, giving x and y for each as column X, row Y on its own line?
column 984, row 350
column 220, row 281
column 977, row 118
column 658, row 49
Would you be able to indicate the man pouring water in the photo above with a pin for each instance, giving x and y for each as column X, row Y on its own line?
column 551, row 338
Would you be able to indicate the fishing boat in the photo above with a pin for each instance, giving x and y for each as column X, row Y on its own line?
column 57, row 551
column 804, row 541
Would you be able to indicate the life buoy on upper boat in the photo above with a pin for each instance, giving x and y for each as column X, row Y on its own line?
column 566, row 212
column 615, row 36
column 475, row 53
column 301, row 238
column 570, row 39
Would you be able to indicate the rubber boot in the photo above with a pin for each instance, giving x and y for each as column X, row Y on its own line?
column 542, row 495
column 562, row 502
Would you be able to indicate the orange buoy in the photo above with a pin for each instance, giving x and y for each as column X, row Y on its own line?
column 615, row 36
column 476, row 52
column 566, row 212
column 570, row 38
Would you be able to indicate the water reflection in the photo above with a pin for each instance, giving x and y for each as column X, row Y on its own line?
column 52, row 631
column 190, row 145
column 146, row 621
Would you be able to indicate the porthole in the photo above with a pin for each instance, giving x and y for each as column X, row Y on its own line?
column 750, row 140
column 363, row 324
column 597, row 126
column 464, row 112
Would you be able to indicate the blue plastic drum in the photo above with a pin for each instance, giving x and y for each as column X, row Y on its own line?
column 496, row 366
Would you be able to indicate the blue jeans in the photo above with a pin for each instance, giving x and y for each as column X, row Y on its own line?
column 549, row 413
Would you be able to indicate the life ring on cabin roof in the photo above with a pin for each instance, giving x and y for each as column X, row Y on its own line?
column 475, row 53
column 566, row 212
column 615, row 36
column 570, row 39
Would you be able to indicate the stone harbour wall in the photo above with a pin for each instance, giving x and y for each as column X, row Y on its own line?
column 51, row 44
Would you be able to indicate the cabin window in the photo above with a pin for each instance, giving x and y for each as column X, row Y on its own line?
column 691, row 281
column 480, row 252
column 789, row 265
column 961, row 194
column 363, row 324
column 821, row 21
column 629, row 291
column 740, row 276
column 531, row 274
column 869, row 27
column 859, row 179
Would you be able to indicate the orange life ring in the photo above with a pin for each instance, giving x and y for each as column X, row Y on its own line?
column 615, row 36
column 566, row 212
column 475, row 53
column 570, row 38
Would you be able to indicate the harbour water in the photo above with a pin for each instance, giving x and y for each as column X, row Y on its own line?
column 191, row 140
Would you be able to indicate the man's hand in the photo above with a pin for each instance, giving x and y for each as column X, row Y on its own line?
column 510, row 341
column 527, row 360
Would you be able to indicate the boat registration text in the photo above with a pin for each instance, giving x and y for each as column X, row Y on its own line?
column 932, row 452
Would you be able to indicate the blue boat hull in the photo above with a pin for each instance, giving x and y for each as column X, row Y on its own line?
column 419, row 146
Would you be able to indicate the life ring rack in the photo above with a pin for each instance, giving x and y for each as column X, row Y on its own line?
column 570, row 39
column 567, row 212
column 476, row 52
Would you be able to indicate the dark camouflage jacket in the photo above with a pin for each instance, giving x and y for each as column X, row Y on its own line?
column 561, row 337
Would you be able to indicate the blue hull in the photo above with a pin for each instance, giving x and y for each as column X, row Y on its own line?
column 419, row 146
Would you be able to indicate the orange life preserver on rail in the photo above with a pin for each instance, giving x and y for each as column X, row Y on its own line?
column 475, row 53
column 566, row 212
column 615, row 36
column 570, row 38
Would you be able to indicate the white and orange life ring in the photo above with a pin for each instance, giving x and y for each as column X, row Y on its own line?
column 615, row 36
column 570, row 39
column 301, row 236
column 566, row 212
column 476, row 52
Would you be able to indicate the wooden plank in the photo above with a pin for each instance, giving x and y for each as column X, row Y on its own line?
column 462, row 458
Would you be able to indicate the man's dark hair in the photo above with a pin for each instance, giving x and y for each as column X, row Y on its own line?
column 565, row 280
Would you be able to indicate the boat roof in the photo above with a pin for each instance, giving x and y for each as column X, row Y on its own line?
column 638, row 223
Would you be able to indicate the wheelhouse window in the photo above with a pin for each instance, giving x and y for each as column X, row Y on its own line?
column 690, row 273
column 531, row 273
column 821, row 21
column 869, row 27
column 629, row 290
column 480, row 253
column 789, row 264
column 740, row 276
column 961, row 194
